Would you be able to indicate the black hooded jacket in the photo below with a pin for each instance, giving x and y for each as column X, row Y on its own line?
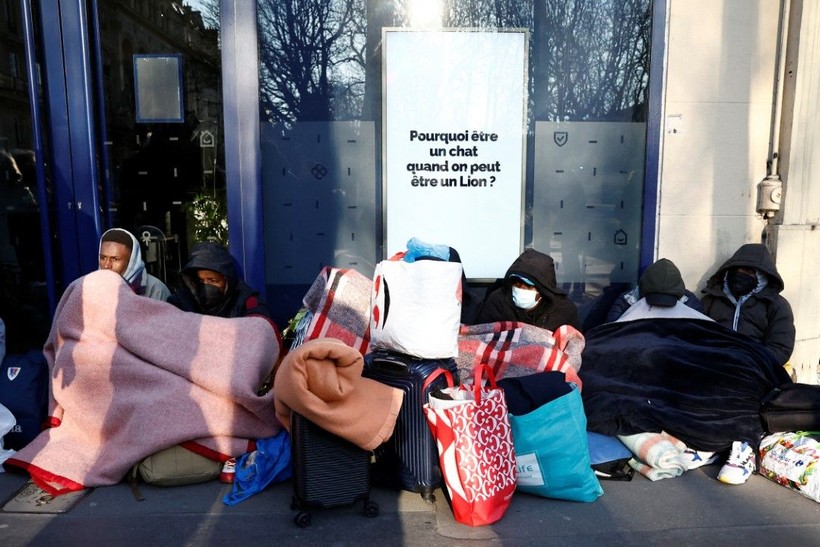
column 765, row 316
column 553, row 310
column 240, row 299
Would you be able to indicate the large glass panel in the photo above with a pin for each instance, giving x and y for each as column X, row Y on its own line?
column 590, row 86
column 164, row 163
column 24, row 299
column 321, row 124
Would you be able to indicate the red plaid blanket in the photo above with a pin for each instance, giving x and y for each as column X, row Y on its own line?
column 339, row 301
column 517, row 349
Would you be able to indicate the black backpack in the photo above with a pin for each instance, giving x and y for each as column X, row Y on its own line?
column 791, row 407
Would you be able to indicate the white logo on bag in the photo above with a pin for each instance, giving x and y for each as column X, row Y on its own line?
column 12, row 372
column 529, row 472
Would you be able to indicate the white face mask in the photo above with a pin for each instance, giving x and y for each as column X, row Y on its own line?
column 524, row 298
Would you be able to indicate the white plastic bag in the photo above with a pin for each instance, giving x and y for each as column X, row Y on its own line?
column 416, row 308
column 793, row 460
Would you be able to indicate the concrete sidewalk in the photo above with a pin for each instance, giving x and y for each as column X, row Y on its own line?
column 694, row 509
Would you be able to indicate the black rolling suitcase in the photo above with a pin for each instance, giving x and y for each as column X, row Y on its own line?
column 409, row 458
column 328, row 471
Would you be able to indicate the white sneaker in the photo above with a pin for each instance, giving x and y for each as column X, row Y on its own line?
column 697, row 458
column 739, row 465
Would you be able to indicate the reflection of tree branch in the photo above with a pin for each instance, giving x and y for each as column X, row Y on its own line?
column 311, row 57
column 595, row 55
column 318, row 58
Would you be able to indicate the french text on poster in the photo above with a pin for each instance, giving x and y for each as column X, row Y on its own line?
column 454, row 143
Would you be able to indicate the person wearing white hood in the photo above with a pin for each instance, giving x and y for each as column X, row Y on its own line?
column 120, row 252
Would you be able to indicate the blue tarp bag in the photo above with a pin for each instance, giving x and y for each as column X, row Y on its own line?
column 269, row 463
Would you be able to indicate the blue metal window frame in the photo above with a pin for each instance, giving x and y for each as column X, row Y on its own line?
column 73, row 140
column 243, row 156
column 653, row 135
column 37, row 122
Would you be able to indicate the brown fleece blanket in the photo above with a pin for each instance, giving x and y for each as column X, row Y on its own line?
column 322, row 381
column 132, row 375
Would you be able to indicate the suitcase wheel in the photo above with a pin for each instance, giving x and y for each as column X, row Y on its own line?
column 371, row 509
column 302, row 519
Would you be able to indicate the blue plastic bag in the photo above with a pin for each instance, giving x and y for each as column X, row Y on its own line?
column 552, row 454
column 270, row 462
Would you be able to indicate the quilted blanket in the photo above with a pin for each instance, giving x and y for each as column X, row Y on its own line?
column 694, row 379
column 132, row 375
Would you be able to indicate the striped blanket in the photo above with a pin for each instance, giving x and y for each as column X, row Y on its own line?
column 657, row 455
column 339, row 305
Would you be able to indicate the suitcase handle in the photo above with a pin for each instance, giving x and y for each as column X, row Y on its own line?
column 435, row 374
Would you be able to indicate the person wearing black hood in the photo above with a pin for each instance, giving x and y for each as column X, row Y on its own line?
column 530, row 294
column 210, row 285
column 744, row 295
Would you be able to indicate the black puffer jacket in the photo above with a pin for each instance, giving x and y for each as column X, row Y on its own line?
column 765, row 316
column 554, row 309
column 240, row 299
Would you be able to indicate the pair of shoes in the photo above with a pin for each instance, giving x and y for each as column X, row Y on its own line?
column 697, row 458
column 228, row 471
column 739, row 465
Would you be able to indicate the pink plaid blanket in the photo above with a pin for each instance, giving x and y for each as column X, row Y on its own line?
column 132, row 375
column 339, row 301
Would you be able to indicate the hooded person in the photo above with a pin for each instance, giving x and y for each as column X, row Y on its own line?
column 530, row 294
column 210, row 285
column 662, row 286
column 120, row 252
column 744, row 295
column 662, row 293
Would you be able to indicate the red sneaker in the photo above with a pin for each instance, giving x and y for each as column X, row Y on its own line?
column 228, row 471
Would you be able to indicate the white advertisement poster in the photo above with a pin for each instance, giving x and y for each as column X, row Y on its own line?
column 454, row 137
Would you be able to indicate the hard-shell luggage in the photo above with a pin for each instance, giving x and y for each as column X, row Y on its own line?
column 409, row 458
column 328, row 471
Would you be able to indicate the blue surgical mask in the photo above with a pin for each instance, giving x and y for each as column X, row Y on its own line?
column 524, row 298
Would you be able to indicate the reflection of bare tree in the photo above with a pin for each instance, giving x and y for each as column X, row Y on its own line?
column 321, row 59
column 312, row 60
column 487, row 14
column 209, row 11
column 592, row 59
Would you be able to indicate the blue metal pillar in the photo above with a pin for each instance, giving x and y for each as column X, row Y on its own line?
column 243, row 165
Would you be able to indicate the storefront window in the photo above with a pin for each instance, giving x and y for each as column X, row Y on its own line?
column 161, row 80
column 24, row 292
column 321, row 117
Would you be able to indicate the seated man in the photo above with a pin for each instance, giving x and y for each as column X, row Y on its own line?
column 211, row 286
column 120, row 252
column 661, row 285
column 744, row 295
column 530, row 295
